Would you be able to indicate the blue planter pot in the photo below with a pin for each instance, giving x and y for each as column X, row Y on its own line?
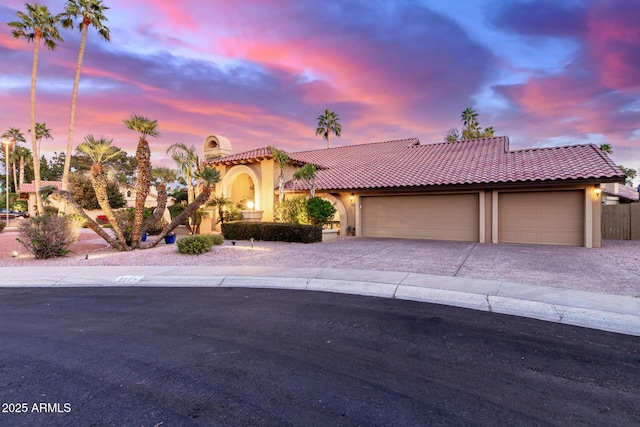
column 170, row 239
column 144, row 237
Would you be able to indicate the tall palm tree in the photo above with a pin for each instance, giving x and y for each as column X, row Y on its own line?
column 92, row 14
column 37, row 25
column 42, row 131
column 101, row 151
column 15, row 136
column 470, row 123
column 328, row 123
column 281, row 158
column 145, row 127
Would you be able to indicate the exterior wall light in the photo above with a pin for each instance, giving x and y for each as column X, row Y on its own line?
column 250, row 205
column 597, row 190
column 352, row 199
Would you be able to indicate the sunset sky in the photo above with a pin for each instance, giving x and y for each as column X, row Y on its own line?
column 543, row 73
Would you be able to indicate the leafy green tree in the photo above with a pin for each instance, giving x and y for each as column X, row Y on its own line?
column 320, row 211
column 37, row 25
column 308, row 174
column 82, row 191
column 144, row 127
column 328, row 123
column 91, row 13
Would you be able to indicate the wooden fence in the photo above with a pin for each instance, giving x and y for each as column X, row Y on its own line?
column 621, row 222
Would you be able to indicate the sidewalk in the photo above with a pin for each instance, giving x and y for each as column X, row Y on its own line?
column 615, row 313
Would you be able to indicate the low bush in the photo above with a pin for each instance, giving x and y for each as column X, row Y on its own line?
column 217, row 239
column 195, row 244
column 48, row 236
column 320, row 211
column 2, row 226
column 271, row 231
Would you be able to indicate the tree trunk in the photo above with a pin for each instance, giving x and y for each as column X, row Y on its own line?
column 281, row 186
column 186, row 213
column 143, row 155
column 74, row 97
column 66, row 196
column 15, row 178
column 159, row 212
column 34, row 145
column 21, row 170
column 99, row 184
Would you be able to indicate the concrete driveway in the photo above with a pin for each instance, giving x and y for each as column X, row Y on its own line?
column 612, row 269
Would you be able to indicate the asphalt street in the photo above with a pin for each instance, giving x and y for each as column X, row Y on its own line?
column 237, row 356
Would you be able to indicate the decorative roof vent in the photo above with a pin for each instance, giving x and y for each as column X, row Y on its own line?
column 216, row 146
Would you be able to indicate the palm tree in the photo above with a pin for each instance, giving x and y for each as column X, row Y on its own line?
column 91, row 12
column 308, row 174
column 145, row 127
column 42, row 131
column 328, row 123
column 37, row 25
column 15, row 136
column 189, row 164
column 281, row 158
column 604, row 147
column 220, row 202
column 101, row 151
column 470, row 123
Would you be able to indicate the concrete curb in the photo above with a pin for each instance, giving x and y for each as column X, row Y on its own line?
column 611, row 313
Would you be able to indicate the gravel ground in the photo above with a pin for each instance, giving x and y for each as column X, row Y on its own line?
column 612, row 269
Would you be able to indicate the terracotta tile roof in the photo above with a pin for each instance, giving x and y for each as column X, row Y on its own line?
column 31, row 186
column 406, row 163
column 480, row 161
column 250, row 156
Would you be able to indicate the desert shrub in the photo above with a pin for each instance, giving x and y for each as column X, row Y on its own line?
column 2, row 226
column 320, row 211
column 272, row 231
column 292, row 210
column 195, row 244
column 217, row 239
column 50, row 210
column 48, row 236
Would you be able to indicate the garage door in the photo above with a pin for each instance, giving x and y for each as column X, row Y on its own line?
column 438, row 217
column 551, row 217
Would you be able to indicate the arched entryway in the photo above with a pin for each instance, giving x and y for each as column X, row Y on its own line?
column 242, row 183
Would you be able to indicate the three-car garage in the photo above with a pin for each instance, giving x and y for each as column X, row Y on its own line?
column 555, row 217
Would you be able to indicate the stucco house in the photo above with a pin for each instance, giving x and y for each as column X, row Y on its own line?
column 477, row 190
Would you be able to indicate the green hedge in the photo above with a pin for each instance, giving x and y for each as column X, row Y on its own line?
column 271, row 231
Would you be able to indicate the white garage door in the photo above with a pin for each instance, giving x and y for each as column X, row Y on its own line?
column 541, row 217
column 437, row 217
